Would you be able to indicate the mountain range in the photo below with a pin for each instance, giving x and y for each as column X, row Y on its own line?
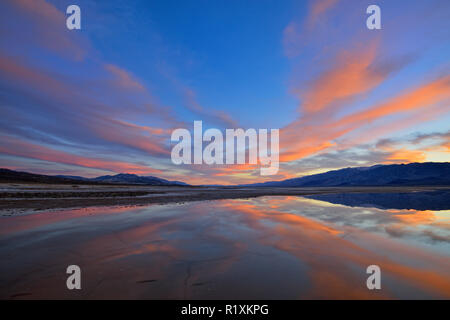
column 412, row 174
column 7, row 175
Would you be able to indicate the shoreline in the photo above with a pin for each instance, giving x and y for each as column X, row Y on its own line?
column 23, row 198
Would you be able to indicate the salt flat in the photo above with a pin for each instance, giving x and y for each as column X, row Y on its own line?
column 19, row 198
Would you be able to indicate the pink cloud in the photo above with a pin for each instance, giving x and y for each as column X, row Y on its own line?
column 123, row 78
column 21, row 148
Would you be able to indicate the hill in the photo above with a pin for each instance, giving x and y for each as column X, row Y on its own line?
column 412, row 174
column 11, row 176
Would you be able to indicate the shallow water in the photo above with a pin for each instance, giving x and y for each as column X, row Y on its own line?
column 262, row 248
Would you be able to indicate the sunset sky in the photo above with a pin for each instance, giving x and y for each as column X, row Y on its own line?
column 105, row 99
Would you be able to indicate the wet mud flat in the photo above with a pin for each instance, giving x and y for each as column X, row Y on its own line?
column 268, row 247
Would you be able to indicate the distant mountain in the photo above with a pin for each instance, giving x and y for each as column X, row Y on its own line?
column 12, row 176
column 7, row 175
column 412, row 174
column 135, row 179
column 73, row 177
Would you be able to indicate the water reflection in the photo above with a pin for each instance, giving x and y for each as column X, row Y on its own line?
column 264, row 248
column 432, row 200
column 423, row 217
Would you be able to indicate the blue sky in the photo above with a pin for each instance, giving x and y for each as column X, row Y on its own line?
column 105, row 98
column 219, row 50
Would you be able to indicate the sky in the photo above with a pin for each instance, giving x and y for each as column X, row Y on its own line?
column 105, row 99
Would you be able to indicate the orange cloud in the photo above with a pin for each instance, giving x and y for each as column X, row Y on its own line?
column 426, row 95
column 302, row 139
column 405, row 155
column 412, row 119
column 351, row 75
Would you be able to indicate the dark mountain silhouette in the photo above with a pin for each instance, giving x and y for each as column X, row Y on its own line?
column 7, row 175
column 135, row 179
column 73, row 177
column 412, row 174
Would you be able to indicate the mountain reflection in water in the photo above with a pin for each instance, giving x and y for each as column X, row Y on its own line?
column 433, row 200
column 262, row 248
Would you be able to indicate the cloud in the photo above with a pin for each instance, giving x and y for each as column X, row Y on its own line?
column 109, row 111
column 406, row 155
column 123, row 78
column 322, row 134
column 444, row 137
column 352, row 66
column 430, row 93
column 17, row 147
column 403, row 149
column 297, row 34
column 207, row 114
column 191, row 103
column 44, row 27
column 88, row 106
column 318, row 8
column 352, row 74
column 75, row 108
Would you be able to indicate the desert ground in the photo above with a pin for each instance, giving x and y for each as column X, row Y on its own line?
column 18, row 198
